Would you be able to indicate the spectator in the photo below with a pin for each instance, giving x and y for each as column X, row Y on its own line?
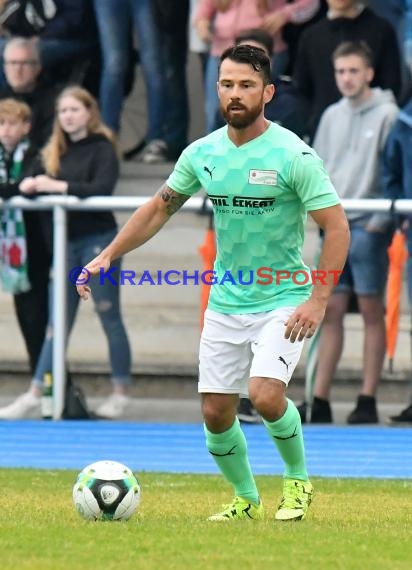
column 67, row 34
column 80, row 160
column 162, row 58
column 350, row 140
column 397, row 180
column 292, row 32
column 346, row 20
column 26, row 82
column 229, row 19
column 287, row 108
column 27, row 276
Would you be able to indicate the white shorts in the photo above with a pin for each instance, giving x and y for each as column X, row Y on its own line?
column 234, row 348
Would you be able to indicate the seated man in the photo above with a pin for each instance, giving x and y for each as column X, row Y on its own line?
column 66, row 33
column 25, row 81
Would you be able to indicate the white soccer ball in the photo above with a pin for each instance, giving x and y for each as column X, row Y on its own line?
column 106, row 490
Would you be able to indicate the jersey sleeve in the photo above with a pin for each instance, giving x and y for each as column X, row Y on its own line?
column 183, row 179
column 311, row 182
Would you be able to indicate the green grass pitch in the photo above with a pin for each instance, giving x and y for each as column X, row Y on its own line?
column 353, row 525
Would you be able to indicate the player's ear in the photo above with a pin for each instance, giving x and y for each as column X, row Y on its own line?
column 268, row 92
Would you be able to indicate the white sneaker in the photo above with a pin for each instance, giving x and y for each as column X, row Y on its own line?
column 25, row 406
column 114, row 407
column 154, row 152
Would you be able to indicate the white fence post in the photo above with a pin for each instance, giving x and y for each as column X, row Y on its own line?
column 59, row 308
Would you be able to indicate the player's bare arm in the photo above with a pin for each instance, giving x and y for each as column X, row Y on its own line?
column 307, row 317
column 142, row 226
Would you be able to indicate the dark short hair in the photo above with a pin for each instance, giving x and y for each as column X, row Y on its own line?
column 251, row 55
column 359, row 48
column 257, row 35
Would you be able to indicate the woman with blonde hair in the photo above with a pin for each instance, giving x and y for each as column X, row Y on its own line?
column 80, row 159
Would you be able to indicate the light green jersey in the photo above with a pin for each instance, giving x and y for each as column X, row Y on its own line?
column 260, row 193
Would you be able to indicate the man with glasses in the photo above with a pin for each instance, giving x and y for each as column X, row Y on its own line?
column 24, row 81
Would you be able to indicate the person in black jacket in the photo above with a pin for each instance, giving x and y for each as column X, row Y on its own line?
column 80, row 159
column 26, row 82
column 65, row 31
column 347, row 20
column 27, row 279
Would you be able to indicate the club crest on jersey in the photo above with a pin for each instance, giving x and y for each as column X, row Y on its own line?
column 263, row 177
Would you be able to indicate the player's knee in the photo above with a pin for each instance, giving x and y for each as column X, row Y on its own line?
column 268, row 398
column 218, row 414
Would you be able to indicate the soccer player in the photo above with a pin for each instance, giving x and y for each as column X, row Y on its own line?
column 261, row 179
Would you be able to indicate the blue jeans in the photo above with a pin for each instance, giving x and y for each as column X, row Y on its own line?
column 366, row 269
column 106, row 299
column 163, row 66
column 211, row 97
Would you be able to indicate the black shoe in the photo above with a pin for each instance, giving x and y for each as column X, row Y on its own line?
column 131, row 153
column 404, row 418
column 247, row 413
column 321, row 412
column 365, row 411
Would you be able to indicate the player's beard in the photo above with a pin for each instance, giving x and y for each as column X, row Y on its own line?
column 244, row 120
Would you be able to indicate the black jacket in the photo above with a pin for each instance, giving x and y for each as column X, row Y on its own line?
column 91, row 168
column 314, row 73
column 42, row 101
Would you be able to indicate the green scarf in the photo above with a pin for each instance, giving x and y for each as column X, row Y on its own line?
column 13, row 246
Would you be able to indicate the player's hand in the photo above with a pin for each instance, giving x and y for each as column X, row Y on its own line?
column 91, row 269
column 304, row 321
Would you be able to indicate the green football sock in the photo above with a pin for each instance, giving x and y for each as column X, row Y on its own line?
column 287, row 434
column 229, row 450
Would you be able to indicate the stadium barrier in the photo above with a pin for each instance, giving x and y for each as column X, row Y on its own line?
column 60, row 205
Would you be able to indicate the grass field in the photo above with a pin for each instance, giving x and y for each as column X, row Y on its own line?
column 353, row 525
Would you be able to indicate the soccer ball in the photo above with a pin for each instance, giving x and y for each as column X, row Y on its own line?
column 106, row 490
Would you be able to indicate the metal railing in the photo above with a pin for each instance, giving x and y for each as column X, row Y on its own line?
column 60, row 205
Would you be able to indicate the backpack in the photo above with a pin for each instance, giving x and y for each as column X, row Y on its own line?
column 26, row 17
column 75, row 405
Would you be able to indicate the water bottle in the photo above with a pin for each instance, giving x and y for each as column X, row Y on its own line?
column 47, row 397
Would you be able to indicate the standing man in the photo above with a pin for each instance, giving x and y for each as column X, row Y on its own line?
column 350, row 140
column 346, row 20
column 262, row 180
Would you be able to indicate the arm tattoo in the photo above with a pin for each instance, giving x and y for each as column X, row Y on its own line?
column 173, row 199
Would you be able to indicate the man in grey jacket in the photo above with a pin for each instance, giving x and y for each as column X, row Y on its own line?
column 350, row 139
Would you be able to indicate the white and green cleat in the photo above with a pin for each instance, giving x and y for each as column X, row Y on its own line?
column 239, row 509
column 297, row 496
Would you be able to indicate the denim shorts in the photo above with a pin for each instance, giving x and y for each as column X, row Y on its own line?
column 366, row 268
